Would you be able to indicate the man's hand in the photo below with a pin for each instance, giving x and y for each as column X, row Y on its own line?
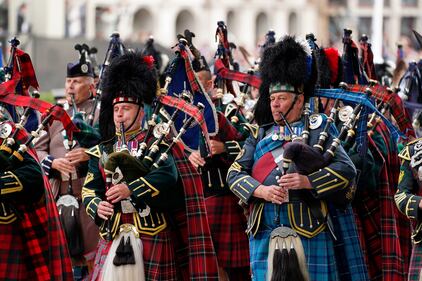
column 217, row 147
column 294, row 181
column 196, row 159
column 118, row 192
column 63, row 165
column 271, row 193
column 105, row 210
column 77, row 155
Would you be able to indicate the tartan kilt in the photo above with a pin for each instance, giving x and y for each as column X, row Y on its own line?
column 13, row 254
column 378, row 225
column 227, row 224
column 158, row 253
column 415, row 263
column 349, row 255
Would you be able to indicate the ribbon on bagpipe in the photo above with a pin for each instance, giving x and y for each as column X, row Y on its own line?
column 367, row 58
column 221, row 70
column 190, row 110
column 224, row 53
column 352, row 70
column 184, row 78
column 7, row 95
column 355, row 97
column 23, row 65
column 395, row 103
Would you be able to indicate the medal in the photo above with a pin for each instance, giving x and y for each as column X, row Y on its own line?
column 274, row 137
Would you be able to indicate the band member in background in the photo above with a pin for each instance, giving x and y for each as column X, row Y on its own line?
column 66, row 165
column 226, row 218
column 408, row 200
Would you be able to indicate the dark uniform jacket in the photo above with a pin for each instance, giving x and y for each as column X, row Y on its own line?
column 409, row 192
column 259, row 162
column 153, row 194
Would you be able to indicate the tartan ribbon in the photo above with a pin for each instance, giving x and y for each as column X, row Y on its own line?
column 184, row 79
column 190, row 110
column 395, row 103
column 58, row 113
column 224, row 53
column 368, row 107
column 23, row 65
column 356, row 98
column 224, row 72
column 189, row 70
column 7, row 96
column 367, row 58
column 352, row 71
column 87, row 135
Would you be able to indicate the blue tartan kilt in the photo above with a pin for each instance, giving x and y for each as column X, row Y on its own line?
column 349, row 255
column 415, row 263
column 319, row 250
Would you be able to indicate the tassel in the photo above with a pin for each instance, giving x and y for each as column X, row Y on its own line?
column 294, row 271
column 280, row 263
column 130, row 256
column 120, row 258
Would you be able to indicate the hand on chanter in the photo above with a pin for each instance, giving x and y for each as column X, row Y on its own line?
column 63, row 165
column 271, row 193
column 196, row 159
column 294, row 181
column 77, row 155
column 105, row 210
column 118, row 192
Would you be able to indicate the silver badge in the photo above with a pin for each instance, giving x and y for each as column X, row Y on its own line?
column 274, row 137
column 5, row 130
column 315, row 120
column 418, row 145
column 117, row 176
column 127, row 207
column 160, row 129
column 67, row 201
column 344, row 113
column 145, row 212
column 84, row 68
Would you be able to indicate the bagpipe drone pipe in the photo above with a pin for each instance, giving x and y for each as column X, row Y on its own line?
column 115, row 48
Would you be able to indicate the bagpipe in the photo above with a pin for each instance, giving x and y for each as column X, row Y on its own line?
column 226, row 70
column 20, row 76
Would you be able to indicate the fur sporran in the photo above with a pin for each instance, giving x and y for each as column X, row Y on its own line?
column 124, row 260
column 68, row 208
column 286, row 258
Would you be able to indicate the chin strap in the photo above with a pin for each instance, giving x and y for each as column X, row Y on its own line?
column 291, row 106
column 136, row 117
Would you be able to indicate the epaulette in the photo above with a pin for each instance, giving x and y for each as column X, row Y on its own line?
column 405, row 153
column 229, row 109
column 408, row 150
column 94, row 151
column 252, row 129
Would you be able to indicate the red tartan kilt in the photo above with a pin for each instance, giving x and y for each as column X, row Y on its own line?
column 368, row 220
column 228, row 224
column 159, row 256
column 13, row 254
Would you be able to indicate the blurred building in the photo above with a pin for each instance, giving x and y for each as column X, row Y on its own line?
column 247, row 20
